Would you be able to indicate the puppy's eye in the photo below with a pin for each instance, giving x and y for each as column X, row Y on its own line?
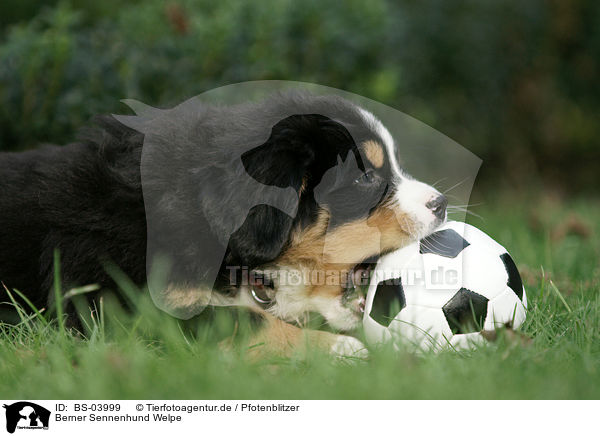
column 367, row 178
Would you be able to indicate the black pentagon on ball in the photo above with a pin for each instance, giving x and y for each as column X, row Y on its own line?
column 466, row 311
column 446, row 243
column 514, row 278
column 388, row 301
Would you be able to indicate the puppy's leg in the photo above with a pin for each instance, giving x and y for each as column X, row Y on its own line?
column 278, row 338
column 273, row 336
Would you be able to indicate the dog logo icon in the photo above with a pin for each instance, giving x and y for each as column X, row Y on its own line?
column 26, row 415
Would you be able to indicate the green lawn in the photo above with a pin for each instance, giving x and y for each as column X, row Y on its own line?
column 149, row 355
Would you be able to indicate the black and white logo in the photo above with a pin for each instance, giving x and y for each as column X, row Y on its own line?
column 26, row 415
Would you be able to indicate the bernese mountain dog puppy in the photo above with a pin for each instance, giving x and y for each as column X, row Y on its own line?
column 350, row 202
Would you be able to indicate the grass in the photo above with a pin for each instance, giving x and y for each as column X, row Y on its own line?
column 146, row 354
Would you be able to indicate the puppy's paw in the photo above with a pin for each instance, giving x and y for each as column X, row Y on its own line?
column 347, row 346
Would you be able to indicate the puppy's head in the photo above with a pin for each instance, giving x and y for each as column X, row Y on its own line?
column 355, row 202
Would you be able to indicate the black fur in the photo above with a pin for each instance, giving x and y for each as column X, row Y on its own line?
column 85, row 199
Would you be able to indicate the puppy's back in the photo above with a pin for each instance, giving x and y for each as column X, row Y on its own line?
column 83, row 199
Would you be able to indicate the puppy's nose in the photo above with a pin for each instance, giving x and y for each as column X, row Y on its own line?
column 438, row 206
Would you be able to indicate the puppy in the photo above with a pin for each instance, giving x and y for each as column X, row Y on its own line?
column 273, row 205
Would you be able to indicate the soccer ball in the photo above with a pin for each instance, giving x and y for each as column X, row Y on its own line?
column 443, row 291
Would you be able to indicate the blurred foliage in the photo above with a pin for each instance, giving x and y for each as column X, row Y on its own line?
column 515, row 82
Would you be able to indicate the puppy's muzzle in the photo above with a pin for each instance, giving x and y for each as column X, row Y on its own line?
column 438, row 206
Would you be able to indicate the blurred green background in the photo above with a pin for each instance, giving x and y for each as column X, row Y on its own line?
column 514, row 82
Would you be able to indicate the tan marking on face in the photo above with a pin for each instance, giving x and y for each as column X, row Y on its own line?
column 374, row 152
column 345, row 246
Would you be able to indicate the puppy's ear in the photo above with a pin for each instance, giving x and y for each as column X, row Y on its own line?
column 280, row 166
